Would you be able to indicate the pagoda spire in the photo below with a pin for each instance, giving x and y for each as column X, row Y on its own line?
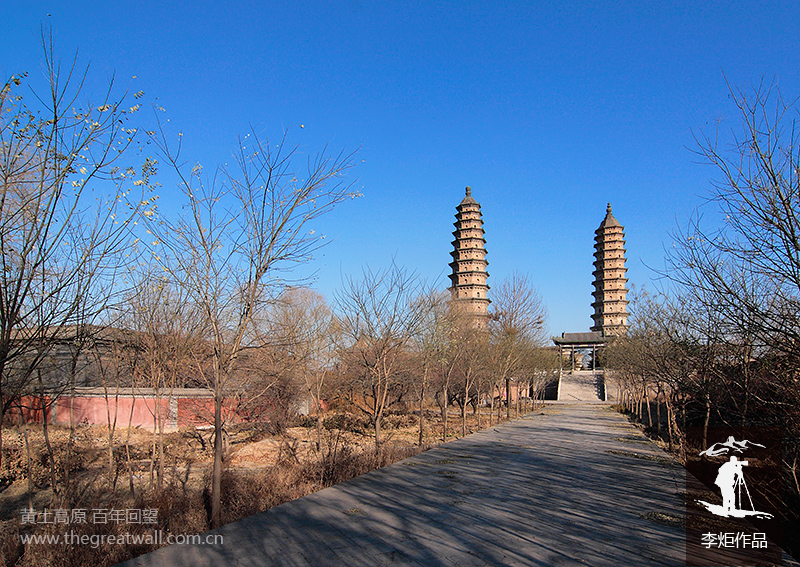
column 468, row 279
column 610, row 306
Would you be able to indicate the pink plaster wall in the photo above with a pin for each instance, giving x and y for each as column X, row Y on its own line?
column 93, row 410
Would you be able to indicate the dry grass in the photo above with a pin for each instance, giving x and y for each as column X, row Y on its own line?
column 183, row 510
column 266, row 467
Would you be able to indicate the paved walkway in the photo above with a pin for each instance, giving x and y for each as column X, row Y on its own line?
column 567, row 485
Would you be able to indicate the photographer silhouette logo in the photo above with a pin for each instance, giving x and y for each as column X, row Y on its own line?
column 731, row 481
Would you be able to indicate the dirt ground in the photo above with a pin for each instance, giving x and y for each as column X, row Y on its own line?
column 188, row 452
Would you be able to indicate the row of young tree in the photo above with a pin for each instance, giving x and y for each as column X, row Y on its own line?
column 720, row 345
column 95, row 274
column 404, row 342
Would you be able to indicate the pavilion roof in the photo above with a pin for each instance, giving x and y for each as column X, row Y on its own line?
column 590, row 338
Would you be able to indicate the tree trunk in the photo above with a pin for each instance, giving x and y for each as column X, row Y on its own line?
column 216, row 475
column 669, row 421
column 160, row 474
column 705, row 423
column 128, row 447
column 639, row 409
column 320, row 426
column 464, row 410
column 444, row 415
column 2, row 419
column 30, row 459
column 508, row 398
column 421, row 419
column 71, row 437
column 658, row 411
column 111, row 427
column 46, row 434
column 377, row 421
column 154, row 443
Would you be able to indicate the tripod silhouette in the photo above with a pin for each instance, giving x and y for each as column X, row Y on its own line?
column 737, row 487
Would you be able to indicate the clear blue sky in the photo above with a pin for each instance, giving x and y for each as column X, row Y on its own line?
column 548, row 110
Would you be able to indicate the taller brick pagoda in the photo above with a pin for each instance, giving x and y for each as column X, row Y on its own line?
column 468, row 280
column 610, row 306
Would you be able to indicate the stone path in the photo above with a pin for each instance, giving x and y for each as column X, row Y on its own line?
column 567, row 485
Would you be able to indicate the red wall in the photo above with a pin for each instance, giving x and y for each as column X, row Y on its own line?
column 30, row 408
column 92, row 410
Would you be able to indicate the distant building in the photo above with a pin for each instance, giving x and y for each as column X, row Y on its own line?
column 610, row 306
column 468, row 280
column 94, row 375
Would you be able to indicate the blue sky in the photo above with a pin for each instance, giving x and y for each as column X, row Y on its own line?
column 548, row 110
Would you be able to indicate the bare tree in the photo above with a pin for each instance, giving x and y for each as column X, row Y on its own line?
column 380, row 315
column 163, row 327
column 241, row 230
column 64, row 215
column 517, row 324
column 539, row 367
column 449, row 350
column 740, row 269
column 114, row 363
column 659, row 353
column 430, row 346
column 474, row 362
column 303, row 328
column 747, row 265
